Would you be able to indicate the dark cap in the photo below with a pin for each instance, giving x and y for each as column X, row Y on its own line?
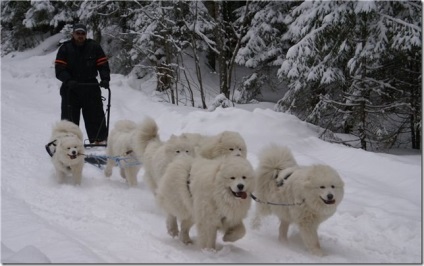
column 80, row 27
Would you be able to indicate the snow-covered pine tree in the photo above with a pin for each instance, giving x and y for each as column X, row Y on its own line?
column 338, row 67
column 262, row 47
column 14, row 35
column 157, row 37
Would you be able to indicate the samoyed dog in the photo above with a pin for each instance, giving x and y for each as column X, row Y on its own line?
column 68, row 151
column 173, row 193
column 301, row 195
column 224, row 143
column 156, row 154
column 121, row 141
column 220, row 190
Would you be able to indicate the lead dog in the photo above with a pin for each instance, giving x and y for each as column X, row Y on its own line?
column 67, row 159
column 220, row 190
column 173, row 192
column 310, row 194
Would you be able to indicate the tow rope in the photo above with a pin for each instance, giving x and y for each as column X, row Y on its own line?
column 273, row 203
column 130, row 160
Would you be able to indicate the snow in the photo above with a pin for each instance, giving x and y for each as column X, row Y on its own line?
column 105, row 221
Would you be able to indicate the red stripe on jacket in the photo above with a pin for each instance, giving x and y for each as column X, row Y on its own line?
column 101, row 61
column 60, row 62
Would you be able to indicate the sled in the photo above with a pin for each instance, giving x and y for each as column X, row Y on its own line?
column 98, row 160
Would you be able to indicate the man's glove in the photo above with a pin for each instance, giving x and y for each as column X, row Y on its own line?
column 104, row 84
column 72, row 84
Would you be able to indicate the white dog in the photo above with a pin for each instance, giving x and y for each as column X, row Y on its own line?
column 305, row 196
column 68, row 151
column 120, row 143
column 220, row 189
column 227, row 142
column 156, row 155
column 173, row 193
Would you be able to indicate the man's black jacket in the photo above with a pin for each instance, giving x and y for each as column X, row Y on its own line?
column 81, row 63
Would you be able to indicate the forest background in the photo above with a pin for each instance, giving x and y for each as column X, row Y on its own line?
column 351, row 67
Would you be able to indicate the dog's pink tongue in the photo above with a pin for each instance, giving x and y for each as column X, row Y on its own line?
column 242, row 195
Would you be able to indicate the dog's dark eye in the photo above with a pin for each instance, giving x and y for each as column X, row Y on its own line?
column 232, row 177
column 177, row 151
column 332, row 186
column 244, row 177
column 322, row 187
column 231, row 149
column 187, row 151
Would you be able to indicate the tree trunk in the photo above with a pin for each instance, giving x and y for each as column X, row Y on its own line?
column 220, row 42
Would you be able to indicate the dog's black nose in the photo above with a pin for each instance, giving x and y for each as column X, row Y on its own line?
column 240, row 186
column 330, row 196
column 74, row 152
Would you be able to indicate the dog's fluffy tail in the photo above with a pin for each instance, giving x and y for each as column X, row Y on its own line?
column 275, row 158
column 125, row 125
column 272, row 160
column 65, row 127
column 147, row 131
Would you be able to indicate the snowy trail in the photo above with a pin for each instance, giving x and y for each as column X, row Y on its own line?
column 104, row 221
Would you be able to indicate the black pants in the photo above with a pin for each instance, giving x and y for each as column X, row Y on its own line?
column 89, row 100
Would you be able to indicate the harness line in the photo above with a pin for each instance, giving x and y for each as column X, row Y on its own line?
column 273, row 203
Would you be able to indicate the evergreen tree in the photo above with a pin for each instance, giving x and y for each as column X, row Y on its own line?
column 338, row 67
column 14, row 35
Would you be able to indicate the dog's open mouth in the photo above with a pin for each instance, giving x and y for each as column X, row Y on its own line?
column 240, row 194
column 332, row 201
column 72, row 156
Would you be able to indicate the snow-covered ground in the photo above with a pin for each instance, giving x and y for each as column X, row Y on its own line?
column 105, row 221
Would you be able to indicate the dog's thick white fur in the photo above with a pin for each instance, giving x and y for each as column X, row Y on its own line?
column 220, row 189
column 121, row 141
column 224, row 143
column 174, row 197
column 312, row 192
column 68, row 157
column 156, row 154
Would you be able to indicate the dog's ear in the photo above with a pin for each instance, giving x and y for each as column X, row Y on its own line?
column 222, row 135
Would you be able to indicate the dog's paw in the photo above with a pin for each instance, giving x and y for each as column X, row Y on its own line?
column 185, row 239
column 108, row 172
column 317, row 252
column 173, row 232
column 233, row 235
column 172, row 227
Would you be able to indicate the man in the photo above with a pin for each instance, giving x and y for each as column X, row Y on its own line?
column 77, row 64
